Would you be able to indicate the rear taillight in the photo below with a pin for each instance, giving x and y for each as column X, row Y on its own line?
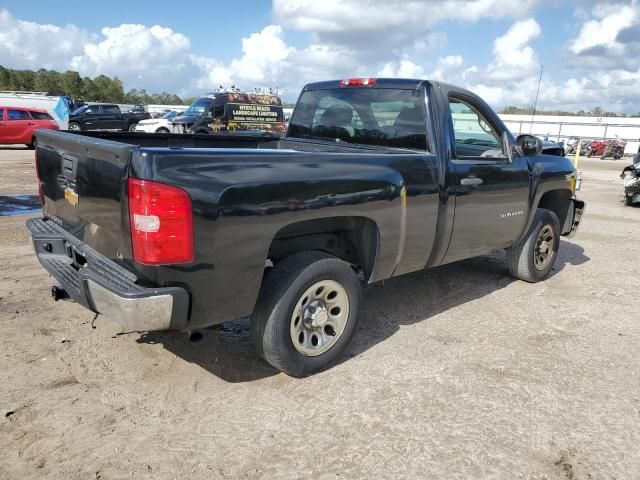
column 161, row 223
column 358, row 82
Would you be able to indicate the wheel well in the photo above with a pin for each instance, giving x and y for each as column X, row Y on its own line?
column 558, row 202
column 353, row 239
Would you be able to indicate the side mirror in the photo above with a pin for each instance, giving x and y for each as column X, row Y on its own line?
column 528, row 146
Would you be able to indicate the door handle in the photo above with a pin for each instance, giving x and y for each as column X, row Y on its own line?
column 471, row 182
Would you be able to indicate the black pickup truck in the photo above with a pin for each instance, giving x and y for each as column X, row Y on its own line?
column 104, row 116
column 375, row 178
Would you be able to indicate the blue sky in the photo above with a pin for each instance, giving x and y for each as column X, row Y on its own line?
column 495, row 47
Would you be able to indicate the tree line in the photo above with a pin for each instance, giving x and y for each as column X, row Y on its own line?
column 97, row 89
column 596, row 112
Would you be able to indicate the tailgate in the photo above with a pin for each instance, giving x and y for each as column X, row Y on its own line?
column 83, row 181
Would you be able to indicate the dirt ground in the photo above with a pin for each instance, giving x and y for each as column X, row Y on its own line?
column 456, row 372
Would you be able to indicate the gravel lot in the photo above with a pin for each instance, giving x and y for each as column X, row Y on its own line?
column 456, row 372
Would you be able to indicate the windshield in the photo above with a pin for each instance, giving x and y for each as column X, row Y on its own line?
column 199, row 106
column 384, row 117
column 170, row 115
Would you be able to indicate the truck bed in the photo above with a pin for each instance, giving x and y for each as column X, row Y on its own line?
column 217, row 140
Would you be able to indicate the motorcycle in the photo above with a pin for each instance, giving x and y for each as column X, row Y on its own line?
column 594, row 147
column 631, row 180
column 571, row 145
column 610, row 148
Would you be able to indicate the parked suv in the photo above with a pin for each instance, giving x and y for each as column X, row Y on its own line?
column 18, row 125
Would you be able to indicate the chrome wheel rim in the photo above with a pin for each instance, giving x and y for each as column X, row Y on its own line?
column 73, row 127
column 544, row 251
column 319, row 318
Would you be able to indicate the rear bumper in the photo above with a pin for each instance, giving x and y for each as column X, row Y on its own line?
column 104, row 286
column 574, row 217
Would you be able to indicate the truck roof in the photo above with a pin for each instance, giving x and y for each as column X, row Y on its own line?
column 404, row 83
column 399, row 83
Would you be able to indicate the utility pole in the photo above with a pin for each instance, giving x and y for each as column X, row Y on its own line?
column 535, row 104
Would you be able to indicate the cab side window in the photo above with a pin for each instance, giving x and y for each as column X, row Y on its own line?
column 1, row 114
column 18, row 115
column 474, row 134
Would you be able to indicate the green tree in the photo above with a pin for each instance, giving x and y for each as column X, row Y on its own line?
column 47, row 81
column 5, row 78
column 22, row 80
column 71, row 84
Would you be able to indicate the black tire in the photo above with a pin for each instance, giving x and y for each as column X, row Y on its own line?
column 282, row 289
column 628, row 200
column 74, row 127
column 162, row 130
column 33, row 145
column 132, row 127
column 589, row 153
column 521, row 258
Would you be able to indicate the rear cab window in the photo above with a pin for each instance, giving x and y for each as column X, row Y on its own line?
column 17, row 115
column 366, row 116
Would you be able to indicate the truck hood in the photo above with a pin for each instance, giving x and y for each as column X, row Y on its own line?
column 186, row 119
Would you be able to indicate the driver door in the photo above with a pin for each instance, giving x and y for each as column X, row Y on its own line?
column 491, row 191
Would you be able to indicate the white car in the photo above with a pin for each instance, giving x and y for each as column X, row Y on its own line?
column 157, row 125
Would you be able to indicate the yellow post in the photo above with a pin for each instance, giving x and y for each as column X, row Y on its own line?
column 576, row 159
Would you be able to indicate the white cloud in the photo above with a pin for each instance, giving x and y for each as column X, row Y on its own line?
column 609, row 38
column 22, row 44
column 385, row 30
column 375, row 16
column 156, row 57
column 404, row 68
column 358, row 38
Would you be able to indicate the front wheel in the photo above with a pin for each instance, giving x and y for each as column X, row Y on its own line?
column 132, row 127
column 307, row 312
column 533, row 258
column 162, row 130
column 74, row 127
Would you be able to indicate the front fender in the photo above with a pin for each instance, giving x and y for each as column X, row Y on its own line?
column 547, row 174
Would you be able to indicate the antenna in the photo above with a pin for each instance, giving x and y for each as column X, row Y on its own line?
column 535, row 104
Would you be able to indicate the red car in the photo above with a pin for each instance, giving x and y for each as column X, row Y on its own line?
column 18, row 125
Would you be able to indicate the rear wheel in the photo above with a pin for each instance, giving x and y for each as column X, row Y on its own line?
column 307, row 312
column 34, row 144
column 533, row 258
